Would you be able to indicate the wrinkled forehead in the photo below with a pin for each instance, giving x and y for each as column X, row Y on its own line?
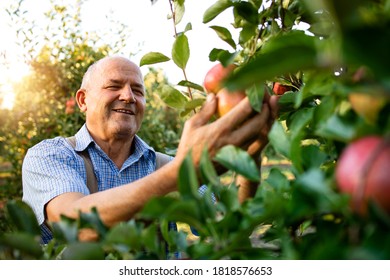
column 118, row 68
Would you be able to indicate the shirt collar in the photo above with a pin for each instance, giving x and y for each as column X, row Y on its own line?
column 84, row 139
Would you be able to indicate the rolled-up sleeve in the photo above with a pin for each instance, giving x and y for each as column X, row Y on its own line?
column 49, row 169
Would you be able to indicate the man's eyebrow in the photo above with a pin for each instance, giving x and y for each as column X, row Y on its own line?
column 120, row 81
column 115, row 81
column 138, row 85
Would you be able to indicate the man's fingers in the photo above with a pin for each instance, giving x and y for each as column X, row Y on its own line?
column 273, row 103
column 208, row 110
column 237, row 115
column 252, row 128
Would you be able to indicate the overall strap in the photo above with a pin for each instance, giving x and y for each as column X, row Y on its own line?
column 91, row 178
column 161, row 160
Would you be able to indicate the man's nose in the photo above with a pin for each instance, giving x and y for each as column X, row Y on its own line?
column 127, row 95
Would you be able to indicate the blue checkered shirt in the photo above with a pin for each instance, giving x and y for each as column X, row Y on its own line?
column 53, row 167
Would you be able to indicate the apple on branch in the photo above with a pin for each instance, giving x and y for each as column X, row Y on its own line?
column 215, row 77
column 228, row 99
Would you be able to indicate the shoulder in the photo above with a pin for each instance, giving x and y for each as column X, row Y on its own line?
column 50, row 150
column 162, row 159
column 54, row 145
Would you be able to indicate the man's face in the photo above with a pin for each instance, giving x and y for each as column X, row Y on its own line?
column 114, row 99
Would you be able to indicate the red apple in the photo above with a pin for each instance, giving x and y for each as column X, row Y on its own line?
column 215, row 76
column 227, row 100
column 363, row 170
column 280, row 89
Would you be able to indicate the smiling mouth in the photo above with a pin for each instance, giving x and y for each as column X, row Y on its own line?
column 124, row 111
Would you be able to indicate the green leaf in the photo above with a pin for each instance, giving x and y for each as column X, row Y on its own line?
column 312, row 189
column 22, row 241
column 298, row 126
column 296, row 151
column 186, row 211
column 181, row 51
column 256, row 95
column 193, row 104
column 289, row 18
column 337, row 128
column 313, row 181
column 164, row 229
column 179, row 241
column 229, row 198
column 185, row 83
column 83, row 251
column 125, row 236
column 279, row 139
column 149, row 238
column 92, row 219
column 300, row 120
column 239, row 161
column 225, row 35
column 287, row 102
column 223, row 56
column 312, row 156
column 179, row 9
column 325, row 109
column 188, row 27
column 66, row 230
column 282, row 54
column 209, row 174
column 188, row 183
column 246, row 11
column 153, row 58
column 217, row 8
column 23, row 217
column 247, row 33
column 155, row 208
column 277, row 179
column 172, row 97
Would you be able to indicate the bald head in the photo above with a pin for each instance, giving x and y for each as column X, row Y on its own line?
column 99, row 66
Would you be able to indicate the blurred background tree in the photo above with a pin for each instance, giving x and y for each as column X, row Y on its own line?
column 162, row 125
column 44, row 105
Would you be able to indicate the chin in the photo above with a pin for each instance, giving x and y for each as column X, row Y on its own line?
column 128, row 131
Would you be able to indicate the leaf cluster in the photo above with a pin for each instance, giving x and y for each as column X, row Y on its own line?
column 317, row 47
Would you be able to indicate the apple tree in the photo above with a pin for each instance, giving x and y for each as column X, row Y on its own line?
column 313, row 200
column 329, row 57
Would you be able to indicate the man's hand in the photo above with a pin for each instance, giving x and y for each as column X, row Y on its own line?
column 241, row 127
column 247, row 188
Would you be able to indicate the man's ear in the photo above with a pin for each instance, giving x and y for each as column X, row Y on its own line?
column 80, row 99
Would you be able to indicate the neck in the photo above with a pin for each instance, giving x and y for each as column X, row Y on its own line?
column 118, row 150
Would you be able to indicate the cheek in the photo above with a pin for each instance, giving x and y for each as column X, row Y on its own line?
column 141, row 103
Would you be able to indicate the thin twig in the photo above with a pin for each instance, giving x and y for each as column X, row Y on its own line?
column 175, row 30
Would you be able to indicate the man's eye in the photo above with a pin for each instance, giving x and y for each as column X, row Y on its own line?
column 113, row 87
column 138, row 92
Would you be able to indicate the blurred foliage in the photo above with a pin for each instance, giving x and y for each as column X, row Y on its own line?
column 56, row 68
column 162, row 125
column 326, row 50
column 44, row 104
